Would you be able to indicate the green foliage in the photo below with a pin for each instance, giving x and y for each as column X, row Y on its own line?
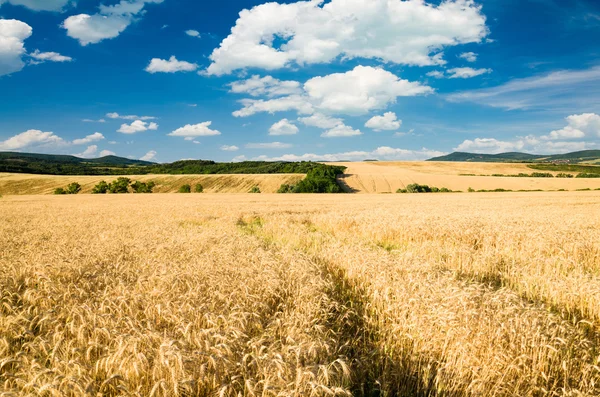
column 101, row 188
column 121, row 185
column 285, row 188
column 322, row 179
column 255, row 189
column 416, row 188
column 588, row 175
column 198, row 188
column 563, row 175
column 141, row 187
column 471, row 190
column 592, row 169
column 185, row 189
column 73, row 188
column 59, row 190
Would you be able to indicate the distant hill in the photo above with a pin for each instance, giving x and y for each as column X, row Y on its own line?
column 57, row 158
column 516, row 157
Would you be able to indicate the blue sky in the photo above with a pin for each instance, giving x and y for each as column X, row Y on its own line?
column 312, row 80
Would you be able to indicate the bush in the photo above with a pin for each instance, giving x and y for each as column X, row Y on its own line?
column 416, row 188
column 587, row 175
column 101, row 188
column 255, row 189
column 285, row 188
column 198, row 188
column 563, row 175
column 59, row 190
column 320, row 180
column 121, row 185
column 141, row 187
column 185, row 189
column 73, row 188
column 471, row 190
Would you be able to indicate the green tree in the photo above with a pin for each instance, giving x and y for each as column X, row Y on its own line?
column 121, row 185
column 198, row 188
column 73, row 188
column 185, row 189
column 255, row 189
column 59, row 190
column 141, row 187
column 101, row 188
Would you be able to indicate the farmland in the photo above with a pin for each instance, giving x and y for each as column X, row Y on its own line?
column 300, row 295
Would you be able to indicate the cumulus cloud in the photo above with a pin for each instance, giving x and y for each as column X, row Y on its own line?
column 466, row 73
column 13, row 34
column 341, row 131
column 528, row 144
column 266, row 86
column 89, row 139
column 193, row 33
column 90, row 152
column 489, row 145
column 172, row 65
column 39, row 5
column 436, row 74
column 283, row 127
column 381, row 153
column 322, row 121
column 137, row 126
column 355, row 92
column 93, row 121
column 388, row 122
column 404, row 32
column 31, row 138
column 105, row 153
column 196, row 130
column 227, row 148
column 269, row 145
column 108, row 23
column 41, row 57
column 117, row 116
column 151, row 155
column 579, row 126
column 468, row 56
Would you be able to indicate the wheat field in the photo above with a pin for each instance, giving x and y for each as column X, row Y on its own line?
column 300, row 295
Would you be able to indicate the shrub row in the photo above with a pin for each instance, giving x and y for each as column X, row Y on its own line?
column 73, row 188
column 318, row 180
column 198, row 188
column 122, row 185
column 416, row 188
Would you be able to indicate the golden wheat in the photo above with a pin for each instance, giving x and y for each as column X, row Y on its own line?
column 300, row 295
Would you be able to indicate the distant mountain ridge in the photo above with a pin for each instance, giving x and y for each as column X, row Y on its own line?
column 58, row 158
column 516, row 157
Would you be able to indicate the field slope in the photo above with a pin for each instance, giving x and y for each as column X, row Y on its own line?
column 387, row 177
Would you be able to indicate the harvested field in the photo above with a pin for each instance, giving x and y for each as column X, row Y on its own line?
column 23, row 184
column 300, row 295
column 387, row 177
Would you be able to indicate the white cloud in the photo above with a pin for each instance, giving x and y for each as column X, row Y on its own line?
column 266, row 86
column 93, row 121
column 151, row 155
column 566, row 90
column 270, row 145
column 41, row 57
column 283, row 127
column 388, row 122
column 355, row 92
column 489, row 145
column 39, row 5
column 579, row 126
column 31, row 138
column 105, row 153
column 109, row 23
column 137, row 126
column 436, row 74
column 90, row 152
column 340, row 131
column 196, row 130
column 381, row 153
column 231, row 148
column 193, row 33
column 13, row 34
column 404, row 32
column 283, row 104
column 467, row 73
column 89, row 139
column 468, row 56
column 116, row 116
column 322, row 121
column 170, row 66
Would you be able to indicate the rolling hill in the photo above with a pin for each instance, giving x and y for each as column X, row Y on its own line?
column 516, row 157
